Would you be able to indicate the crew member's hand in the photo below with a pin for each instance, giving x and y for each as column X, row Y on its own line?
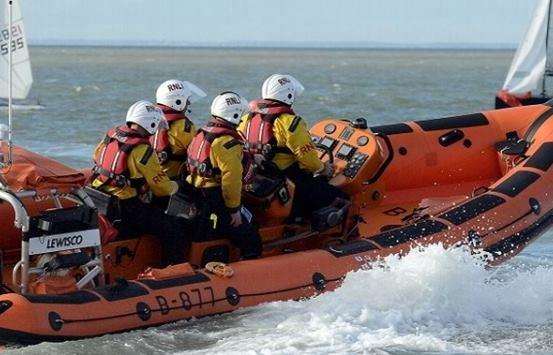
column 236, row 219
column 145, row 194
column 175, row 187
column 258, row 159
column 328, row 170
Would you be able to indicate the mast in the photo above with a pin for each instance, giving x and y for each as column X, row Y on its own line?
column 547, row 72
column 10, row 85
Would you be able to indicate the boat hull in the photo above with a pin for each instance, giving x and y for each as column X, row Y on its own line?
column 146, row 303
column 488, row 201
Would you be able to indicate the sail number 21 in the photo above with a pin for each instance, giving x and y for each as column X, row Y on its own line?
column 18, row 41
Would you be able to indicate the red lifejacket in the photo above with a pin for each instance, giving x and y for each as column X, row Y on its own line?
column 111, row 163
column 259, row 134
column 199, row 150
column 160, row 140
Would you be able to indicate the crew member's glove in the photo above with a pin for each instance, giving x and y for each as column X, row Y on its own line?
column 145, row 194
column 174, row 187
column 236, row 219
column 258, row 159
column 327, row 170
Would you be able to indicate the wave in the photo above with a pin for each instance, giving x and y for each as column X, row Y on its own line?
column 430, row 300
column 22, row 107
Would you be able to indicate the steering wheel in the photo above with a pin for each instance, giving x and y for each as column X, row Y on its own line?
column 326, row 151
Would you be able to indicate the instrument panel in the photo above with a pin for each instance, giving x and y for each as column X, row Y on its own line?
column 358, row 153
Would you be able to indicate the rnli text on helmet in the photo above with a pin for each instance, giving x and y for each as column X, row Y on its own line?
column 283, row 81
column 232, row 101
column 175, row 86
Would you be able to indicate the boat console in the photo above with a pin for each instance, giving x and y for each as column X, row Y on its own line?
column 358, row 154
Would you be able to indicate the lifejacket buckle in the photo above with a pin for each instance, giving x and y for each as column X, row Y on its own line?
column 202, row 168
column 163, row 157
column 266, row 149
column 120, row 181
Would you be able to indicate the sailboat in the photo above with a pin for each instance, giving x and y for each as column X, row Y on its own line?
column 528, row 81
column 36, row 181
column 22, row 76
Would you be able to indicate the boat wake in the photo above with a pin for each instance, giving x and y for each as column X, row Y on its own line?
column 431, row 300
column 23, row 107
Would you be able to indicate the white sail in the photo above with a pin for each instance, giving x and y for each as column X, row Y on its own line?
column 22, row 76
column 528, row 67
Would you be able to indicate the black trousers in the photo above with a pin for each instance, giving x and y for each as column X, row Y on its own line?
column 312, row 193
column 245, row 237
column 185, row 189
column 140, row 218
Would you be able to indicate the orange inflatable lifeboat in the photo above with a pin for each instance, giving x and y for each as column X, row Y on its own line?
column 482, row 180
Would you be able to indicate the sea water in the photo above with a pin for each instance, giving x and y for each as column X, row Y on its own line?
column 431, row 301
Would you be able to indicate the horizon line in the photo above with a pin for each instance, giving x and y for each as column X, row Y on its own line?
column 271, row 44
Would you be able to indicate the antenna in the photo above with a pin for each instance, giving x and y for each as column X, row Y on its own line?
column 4, row 163
column 10, row 84
column 547, row 71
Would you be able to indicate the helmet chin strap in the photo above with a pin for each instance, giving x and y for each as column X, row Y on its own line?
column 141, row 131
column 278, row 101
column 224, row 122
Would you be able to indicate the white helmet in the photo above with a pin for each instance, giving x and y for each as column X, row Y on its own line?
column 146, row 115
column 283, row 88
column 229, row 106
column 176, row 94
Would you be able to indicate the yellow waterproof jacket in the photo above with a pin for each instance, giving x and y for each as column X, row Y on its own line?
column 180, row 135
column 291, row 132
column 141, row 164
column 226, row 156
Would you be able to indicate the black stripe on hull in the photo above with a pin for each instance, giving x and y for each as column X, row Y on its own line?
column 113, row 293
column 358, row 246
column 412, row 232
column 78, row 297
column 117, row 293
column 542, row 158
column 472, row 209
column 523, row 237
column 20, row 337
column 392, row 129
column 517, row 183
column 179, row 281
column 465, row 121
column 536, row 125
column 513, row 222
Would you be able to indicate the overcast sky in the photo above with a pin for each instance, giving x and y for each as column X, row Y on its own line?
column 402, row 22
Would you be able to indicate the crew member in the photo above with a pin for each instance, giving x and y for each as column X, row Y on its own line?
column 124, row 161
column 216, row 170
column 273, row 131
column 173, row 97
